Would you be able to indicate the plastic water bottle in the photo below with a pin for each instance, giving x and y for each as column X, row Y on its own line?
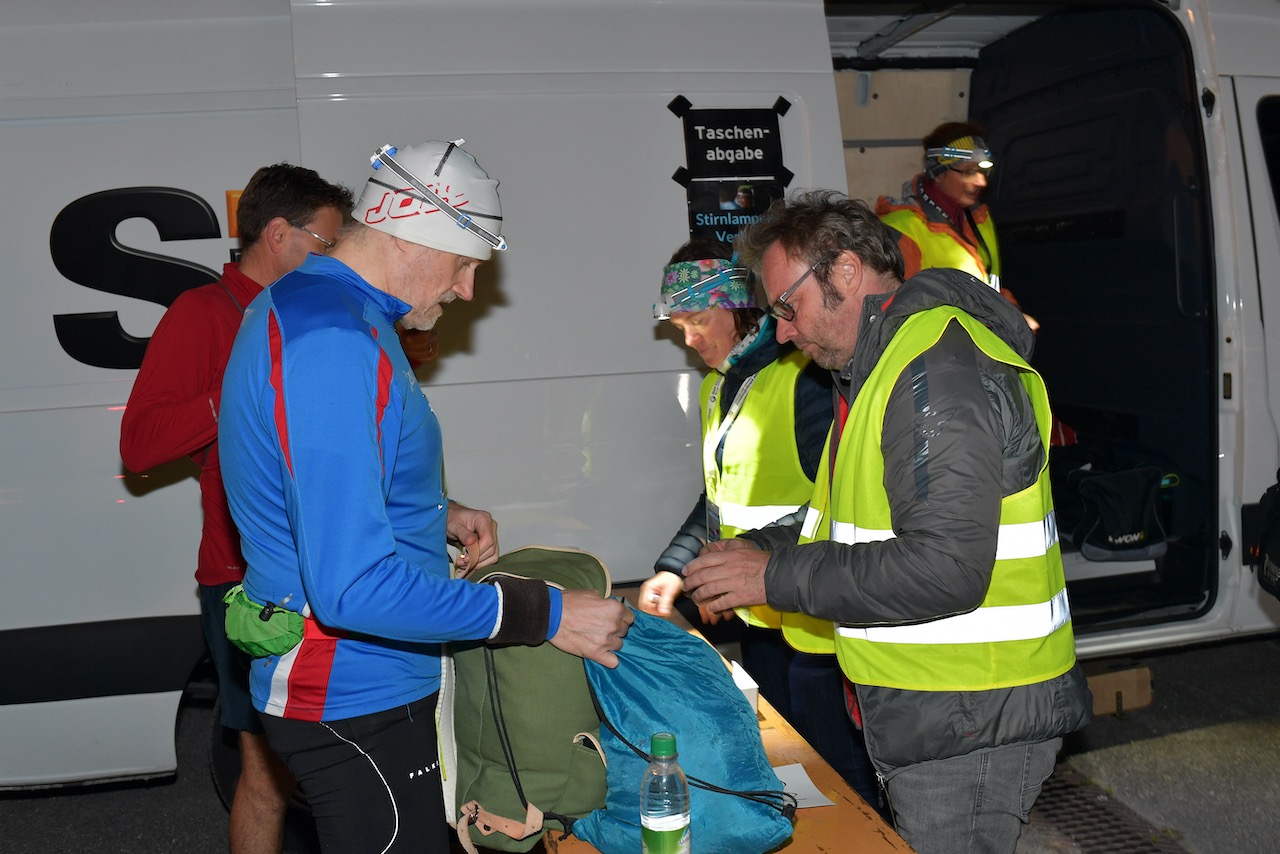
column 664, row 800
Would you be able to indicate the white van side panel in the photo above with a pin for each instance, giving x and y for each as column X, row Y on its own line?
column 91, row 740
column 62, row 569
column 64, row 58
column 1258, row 256
column 83, row 539
column 1244, row 35
column 562, row 105
column 567, row 410
column 1259, row 260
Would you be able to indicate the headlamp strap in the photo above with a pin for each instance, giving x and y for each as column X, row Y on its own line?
column 384, row 156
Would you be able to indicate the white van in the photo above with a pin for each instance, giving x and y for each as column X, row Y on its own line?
column 1139, row 156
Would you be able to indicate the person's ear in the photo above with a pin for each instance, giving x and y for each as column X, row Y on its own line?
column 276, row 234
column 405, row 245
column 846, row 271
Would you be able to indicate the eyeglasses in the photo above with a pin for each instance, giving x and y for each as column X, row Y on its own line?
column 782, row 309
column 328, row 244
column 384, row 157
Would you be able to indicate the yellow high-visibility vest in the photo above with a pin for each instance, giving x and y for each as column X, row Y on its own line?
column 1021, row 632
column 940, row 247
column 759, row 478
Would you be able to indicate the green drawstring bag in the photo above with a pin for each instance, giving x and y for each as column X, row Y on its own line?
column 260, row 630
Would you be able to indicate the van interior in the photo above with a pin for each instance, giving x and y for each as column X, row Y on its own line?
column 1099, row 195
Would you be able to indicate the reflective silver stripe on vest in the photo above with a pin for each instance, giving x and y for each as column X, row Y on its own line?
column 1013, row 542
column 984, row 625
column 849, row 533
column 1027, row 539
column 747, row 518
column 812, row 517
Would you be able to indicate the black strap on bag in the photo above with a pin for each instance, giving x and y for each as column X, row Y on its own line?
column 504, row 738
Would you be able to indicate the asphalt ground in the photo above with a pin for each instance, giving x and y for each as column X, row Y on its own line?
column 1196, row 771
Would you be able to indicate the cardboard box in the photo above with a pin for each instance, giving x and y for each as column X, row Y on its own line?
column 1118, row 686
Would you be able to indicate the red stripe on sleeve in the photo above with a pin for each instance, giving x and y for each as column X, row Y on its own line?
column 385, row 373
column 277, row 383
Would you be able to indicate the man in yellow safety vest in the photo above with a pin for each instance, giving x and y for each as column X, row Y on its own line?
column 929, row 558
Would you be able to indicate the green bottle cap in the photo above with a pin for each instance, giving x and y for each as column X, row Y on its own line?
column 663, row 744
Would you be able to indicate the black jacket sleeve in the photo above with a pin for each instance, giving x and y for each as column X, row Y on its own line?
column 687, row 542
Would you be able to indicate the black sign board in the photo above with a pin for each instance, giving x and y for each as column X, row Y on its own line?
column 734, row 166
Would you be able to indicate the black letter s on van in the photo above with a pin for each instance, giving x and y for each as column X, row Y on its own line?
column 82, row 242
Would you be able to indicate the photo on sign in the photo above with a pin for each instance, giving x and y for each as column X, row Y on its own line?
column 737, row 197
column 718, row 209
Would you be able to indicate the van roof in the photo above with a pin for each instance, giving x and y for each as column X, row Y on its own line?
column 869, row 35
column 950, row 34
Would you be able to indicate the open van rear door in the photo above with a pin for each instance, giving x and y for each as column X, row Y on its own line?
column 1101, row 200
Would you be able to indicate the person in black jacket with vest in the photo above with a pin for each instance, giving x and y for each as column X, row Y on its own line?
column 766, row 414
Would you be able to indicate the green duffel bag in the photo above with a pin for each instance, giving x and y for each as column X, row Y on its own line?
column 507, row 777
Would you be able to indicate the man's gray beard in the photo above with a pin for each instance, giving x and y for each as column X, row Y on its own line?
column 426, row 318
column 420, row 320
column 830, row 360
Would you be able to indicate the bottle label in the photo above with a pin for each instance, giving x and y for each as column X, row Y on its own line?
column 665, row 834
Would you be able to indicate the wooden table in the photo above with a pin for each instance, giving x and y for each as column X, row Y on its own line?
column 848, row 826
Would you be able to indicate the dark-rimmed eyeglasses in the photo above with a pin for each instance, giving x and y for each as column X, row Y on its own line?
column 782, row 309
column 328, row 244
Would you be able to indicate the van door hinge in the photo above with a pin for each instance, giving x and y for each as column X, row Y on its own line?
column 1207, row 100
column 1224, row 544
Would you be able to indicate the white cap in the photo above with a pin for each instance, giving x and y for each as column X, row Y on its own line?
column 468, row 223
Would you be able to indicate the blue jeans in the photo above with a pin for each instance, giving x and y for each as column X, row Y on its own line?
column 976, row 803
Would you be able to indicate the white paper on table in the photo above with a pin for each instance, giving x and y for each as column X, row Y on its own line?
column 745, row 684
column 796, row 781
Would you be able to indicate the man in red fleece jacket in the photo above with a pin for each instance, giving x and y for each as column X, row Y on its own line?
column 284, row 213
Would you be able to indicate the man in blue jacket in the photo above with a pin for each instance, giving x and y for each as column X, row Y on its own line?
column 333, row 464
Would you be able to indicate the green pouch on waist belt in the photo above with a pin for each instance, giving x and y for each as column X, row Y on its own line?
column 260, row 630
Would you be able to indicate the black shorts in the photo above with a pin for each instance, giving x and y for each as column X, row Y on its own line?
column 372, row 782
column 231, row 664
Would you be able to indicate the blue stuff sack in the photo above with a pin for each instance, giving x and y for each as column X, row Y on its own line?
column 668, row 680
